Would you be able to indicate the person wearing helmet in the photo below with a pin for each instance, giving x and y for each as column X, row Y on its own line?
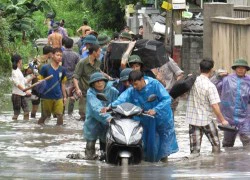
column 234, row 92
column 123, row 83
column 27, row 70
column 96, row 123
column 124, row 77
column 87, row 42
column 159, row 138
column 103, row 41
column 135, row 62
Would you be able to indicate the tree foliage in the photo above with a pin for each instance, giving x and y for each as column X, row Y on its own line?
column 72, row 12
column 4, row 45
column 16, row 24
column 108, row 14
column 19, row 13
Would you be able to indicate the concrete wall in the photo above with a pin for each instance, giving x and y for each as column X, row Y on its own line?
column 192, row 45
column 133, row 23
column 239, row 2
column 192, row 53
column 147, row 27
column 212, row 10
column 230, row 40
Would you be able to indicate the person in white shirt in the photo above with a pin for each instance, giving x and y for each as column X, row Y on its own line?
column 18, row 95
column 203, row 101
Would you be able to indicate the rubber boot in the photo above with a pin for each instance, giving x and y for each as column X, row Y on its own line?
column 90, row 150
column 102, row 146
column 15, row 117
column 164, row 159
column 33, row 111
column 216, row 149
column 59, row 120
column 26, row 116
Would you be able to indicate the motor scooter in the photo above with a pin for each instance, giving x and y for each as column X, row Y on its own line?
column 124, row 135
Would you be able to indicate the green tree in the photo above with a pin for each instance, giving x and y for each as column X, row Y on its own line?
column 72, row 12
column 18, row 13
column 17, row 26
column 108, row 14
column 4, row 45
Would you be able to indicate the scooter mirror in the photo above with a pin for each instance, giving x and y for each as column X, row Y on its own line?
column 101, row 97
column 152, row 98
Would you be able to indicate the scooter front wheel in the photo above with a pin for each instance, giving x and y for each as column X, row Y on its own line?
column 124, row 161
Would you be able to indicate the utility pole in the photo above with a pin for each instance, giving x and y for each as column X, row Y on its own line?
column 169, row 30
column 173, row 23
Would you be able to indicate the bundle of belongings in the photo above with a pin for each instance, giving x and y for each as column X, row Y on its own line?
column 153, row 54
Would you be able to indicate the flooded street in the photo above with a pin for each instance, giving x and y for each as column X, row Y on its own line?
column 31, row 151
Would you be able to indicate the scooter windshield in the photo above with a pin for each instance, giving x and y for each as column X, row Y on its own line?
column 128, row 109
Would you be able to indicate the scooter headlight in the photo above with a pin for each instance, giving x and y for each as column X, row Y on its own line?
column 136, row 135
column 118, row 134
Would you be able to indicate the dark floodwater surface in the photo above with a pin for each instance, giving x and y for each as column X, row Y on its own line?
column 30, row 151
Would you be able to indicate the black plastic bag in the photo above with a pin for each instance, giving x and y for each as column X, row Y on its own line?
column 112, row 60
column 182, row 86
column 229, row 128
column 152, row 53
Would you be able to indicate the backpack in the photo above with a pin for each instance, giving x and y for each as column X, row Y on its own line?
column 40, row 89
column 182, row 86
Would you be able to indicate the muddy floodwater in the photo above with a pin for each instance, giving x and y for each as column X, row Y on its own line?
column 31, row 151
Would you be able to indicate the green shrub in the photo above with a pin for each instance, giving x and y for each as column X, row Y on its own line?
column 5, row 45
column 42, row 29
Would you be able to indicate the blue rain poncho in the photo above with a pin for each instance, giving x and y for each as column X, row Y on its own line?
column 95, row 126
column 159, row 137
column 235, row 98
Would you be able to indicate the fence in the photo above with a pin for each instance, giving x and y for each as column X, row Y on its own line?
column 241, row 12
column 230, row 40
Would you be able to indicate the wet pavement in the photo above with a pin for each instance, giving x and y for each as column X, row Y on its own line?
column 31, row 151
